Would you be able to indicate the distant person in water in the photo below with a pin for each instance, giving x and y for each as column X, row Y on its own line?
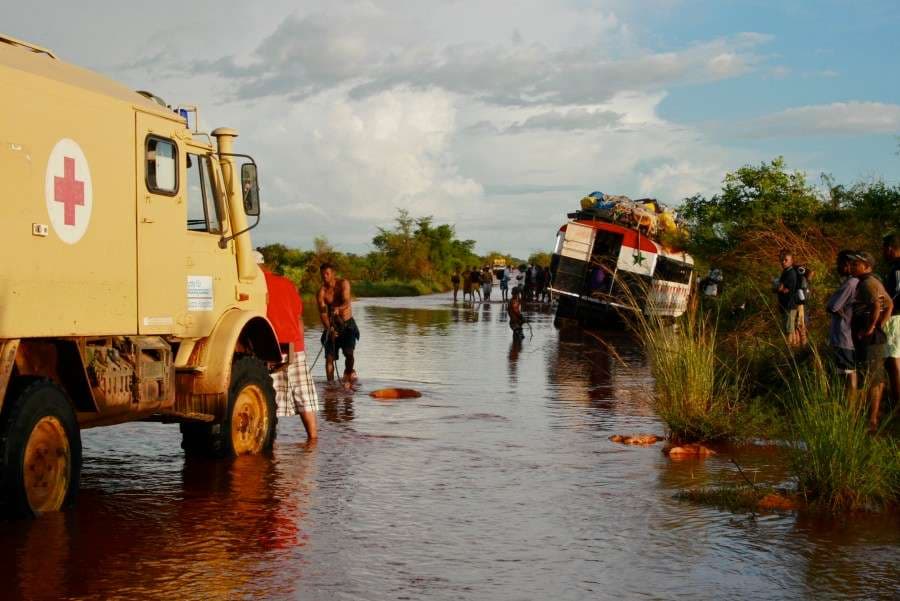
column 341, row 332
column 475, row 278
column 487, row 282
column 545, row 284
column 516, row 321
column 504, row 284
column 454, row 280
column 467, row 284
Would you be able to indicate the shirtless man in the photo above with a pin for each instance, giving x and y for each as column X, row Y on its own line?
column 340, row 332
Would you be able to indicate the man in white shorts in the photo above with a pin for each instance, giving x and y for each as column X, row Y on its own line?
column 295, row 391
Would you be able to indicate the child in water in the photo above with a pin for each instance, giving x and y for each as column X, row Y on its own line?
column 515, row 314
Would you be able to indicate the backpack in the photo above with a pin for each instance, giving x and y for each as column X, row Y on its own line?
column 802, row 293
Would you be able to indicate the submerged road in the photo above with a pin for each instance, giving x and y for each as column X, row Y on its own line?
column 498, row 483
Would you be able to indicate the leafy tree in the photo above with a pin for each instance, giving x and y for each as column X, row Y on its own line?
column 751, row 197
column 541, row 259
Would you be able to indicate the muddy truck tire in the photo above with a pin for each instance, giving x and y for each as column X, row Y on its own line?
column 249, row 424
column 40, row 449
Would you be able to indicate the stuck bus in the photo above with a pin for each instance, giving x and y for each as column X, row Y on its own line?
column 599, row 267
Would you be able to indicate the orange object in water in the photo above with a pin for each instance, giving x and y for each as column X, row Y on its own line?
column 395, row 393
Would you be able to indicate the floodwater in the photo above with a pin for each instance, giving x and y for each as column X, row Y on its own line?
column 498, row 483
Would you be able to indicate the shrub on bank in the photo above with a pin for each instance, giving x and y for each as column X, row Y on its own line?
column 394, row 288
column 696, row 394
column 837, row 463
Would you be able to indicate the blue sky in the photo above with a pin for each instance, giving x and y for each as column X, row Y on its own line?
column 834, row 51
column 498, row 116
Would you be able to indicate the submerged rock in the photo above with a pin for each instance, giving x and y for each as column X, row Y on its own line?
column 395, row 393
column 636, row 439
column 687, row 450
column 777, row 502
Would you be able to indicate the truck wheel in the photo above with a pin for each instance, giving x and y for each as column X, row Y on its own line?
column 40, row 450
column 249, row 425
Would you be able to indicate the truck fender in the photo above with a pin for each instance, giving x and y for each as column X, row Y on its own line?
column 58, row 359
column 237, row 332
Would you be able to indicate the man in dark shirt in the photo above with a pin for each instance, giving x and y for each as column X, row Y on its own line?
column 891, row 251
column 871, row 309
column 786, row 291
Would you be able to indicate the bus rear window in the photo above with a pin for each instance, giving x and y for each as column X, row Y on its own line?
column 672, row 271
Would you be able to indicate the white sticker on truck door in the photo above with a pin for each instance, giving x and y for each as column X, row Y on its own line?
column 200, row 293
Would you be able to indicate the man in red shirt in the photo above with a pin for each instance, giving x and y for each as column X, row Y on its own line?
column 295, row 391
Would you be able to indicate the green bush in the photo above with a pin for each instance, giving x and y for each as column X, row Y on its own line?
column 837, row 463
column 696, row 395
column 395, row 288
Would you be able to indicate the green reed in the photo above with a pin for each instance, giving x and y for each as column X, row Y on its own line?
column 696, row 394
column 837, row 462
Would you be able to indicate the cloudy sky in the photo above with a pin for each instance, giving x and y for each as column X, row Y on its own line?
column 498, row 116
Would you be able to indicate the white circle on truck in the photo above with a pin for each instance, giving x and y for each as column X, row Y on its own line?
column 68, row 191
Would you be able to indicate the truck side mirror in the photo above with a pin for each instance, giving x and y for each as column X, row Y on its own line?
column 250, row 189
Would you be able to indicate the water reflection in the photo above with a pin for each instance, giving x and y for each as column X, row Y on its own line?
column 515, row 347
column 336, row 404
column 402, row 322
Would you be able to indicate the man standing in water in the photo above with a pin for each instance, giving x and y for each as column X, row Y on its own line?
column 340, row 332
column 295, row 391
column 515, row 314
column 454, row 280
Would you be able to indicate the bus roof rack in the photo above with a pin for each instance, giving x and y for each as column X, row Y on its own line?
column 33, row 47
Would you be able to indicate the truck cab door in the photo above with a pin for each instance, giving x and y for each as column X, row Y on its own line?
column 161, row 233
column 211, row 269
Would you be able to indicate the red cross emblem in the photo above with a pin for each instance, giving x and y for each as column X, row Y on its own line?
column 68, row 190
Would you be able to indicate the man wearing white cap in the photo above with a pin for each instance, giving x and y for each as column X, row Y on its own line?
column 295, row 391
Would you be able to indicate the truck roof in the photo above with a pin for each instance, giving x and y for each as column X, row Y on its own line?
column 28, row 58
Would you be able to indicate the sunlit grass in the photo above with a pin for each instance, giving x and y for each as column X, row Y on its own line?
column 837, row 462
column 696, row 394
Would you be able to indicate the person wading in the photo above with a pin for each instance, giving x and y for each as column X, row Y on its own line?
column 467, row 286
column 516, row 321
column 295, row 391
column 341, row 332
column 454, row 280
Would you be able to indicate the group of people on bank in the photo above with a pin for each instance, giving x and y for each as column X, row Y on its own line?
column 864, row 334
column 533, row 281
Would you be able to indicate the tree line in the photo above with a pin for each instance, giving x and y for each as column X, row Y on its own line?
column 413, row 256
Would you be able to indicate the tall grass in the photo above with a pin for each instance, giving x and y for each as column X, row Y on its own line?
column 696, row 394
column 837, row 463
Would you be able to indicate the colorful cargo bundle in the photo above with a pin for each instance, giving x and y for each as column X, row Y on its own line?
column 646, row 215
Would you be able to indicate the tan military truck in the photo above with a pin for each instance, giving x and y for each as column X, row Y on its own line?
column 128, row 286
